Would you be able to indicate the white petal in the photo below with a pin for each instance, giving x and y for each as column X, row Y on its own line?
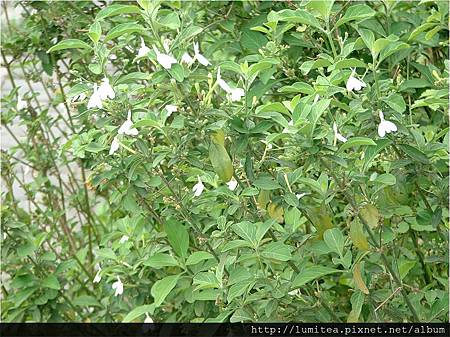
column 123, row 239
column 196, row 49
column 170, row 109
column 97, row 277
column 125, row 127
column 166, row 60
column 354, row 84
column 236, row 94
column 105, row 90
column 114, row 146
column 186, row 58
column 118, row 287
column 381, row 129
column 390, row 126
column 300, row 195
column 95, row 100
column 224, row 85
column 381, row 115
column 232, row 184
column 202, row 60
column 198, row 188
column 341, row 137
column 148, row 319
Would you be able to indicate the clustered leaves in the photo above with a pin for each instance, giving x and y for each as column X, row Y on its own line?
column 245, row 161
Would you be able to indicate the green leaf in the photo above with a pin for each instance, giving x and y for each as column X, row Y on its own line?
column 205, row 280
column 133, row 77
column 311, row 273
column 334, row 240
column 356, row 13
column 252, row 41
column 163, row 287
column 357, row 301
column 95, row 31
column 86, row 301
column 396, row 102
column 178, row 236
column 349, row 63
column 301, row 87
column 386, row 179
column 404, row 266
column 124, row 28
column 51, row 282
column 321, row 6
column 116, row 9
column 139, row 311
column 356, row 141
column 247, row 231
column 160, row 260
column 197, row 257
column 266, row 183
column 171, row 21
column 297, row 16
column 69, row 44
column 107, row 253
column 414, row 153
column 25, row 249
column 277, row 251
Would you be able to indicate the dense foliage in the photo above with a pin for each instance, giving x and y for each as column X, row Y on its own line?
column 226, row 161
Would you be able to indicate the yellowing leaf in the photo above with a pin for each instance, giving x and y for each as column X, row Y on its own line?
column 322, row 222
column 357, row 277
column 370, row 215
column 263, row 199
column 276, row 212
column 220, row 159
column 358, row 237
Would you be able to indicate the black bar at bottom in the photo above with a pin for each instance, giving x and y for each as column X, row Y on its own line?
column 224, row 329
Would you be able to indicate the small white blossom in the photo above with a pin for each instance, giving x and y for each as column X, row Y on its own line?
column 95, row 101
column 316, row 99
column 21, row 104
column 300, row 195
column 114, row 146
column 385, row 126
column 118, row 287
column 286, row 130
column 198, row 188
column 98, row 277
column 354, row 84
column 165, row 60
column 170, row 109
column 199, row 57
column 234, row 94
column 105, row 90
column 186, row 58
column 294, row 292
column 148, row 319
column 126, row 127
column 124, row 239
column 232, row 184
column 337, row 135
column 143, row 51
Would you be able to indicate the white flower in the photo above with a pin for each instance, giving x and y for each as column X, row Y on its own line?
column 126, row 127
column 186, row 58
column 21, row 104
column 316, row 99
column 105, row 90
column 114, row 146
column 337, row 135
column 232, row 184
column 95, row 101
column 148, row 319
column 353, row 83
column 124, row 239
column 118, row 287
column 164, row 60
column 233, row 94
column 294, row 292
column 300, row 195
column 385, row 126
column 198, row 188
column 170, row 109
column 236, row 94
column 143, row 51
column 199, row 57
column 98, row 277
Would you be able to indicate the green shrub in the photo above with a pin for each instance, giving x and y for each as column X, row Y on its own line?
column 226, row 161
